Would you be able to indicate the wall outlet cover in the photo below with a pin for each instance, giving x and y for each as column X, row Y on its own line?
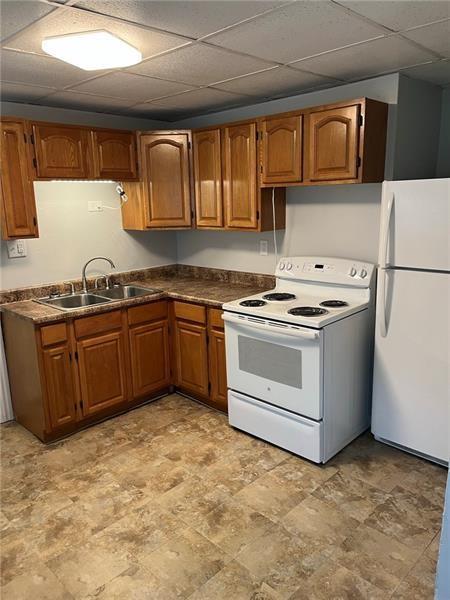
column 263, row 247
column 95, row 205
column 16, row 248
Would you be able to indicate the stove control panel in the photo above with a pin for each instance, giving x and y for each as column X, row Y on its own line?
column 338, row 271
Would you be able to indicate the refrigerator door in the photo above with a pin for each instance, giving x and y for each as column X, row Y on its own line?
column 411, row 371
column 415, row 224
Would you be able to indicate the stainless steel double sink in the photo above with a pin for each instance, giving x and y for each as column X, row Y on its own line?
column 94, row 297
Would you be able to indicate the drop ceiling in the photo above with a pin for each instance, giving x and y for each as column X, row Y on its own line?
column 204, row 56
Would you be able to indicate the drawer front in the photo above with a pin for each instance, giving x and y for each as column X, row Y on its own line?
column 282, row 428
column 215, row 318
column 154, row 311
column 98, row 323
column 190, row 312
column 53, row 334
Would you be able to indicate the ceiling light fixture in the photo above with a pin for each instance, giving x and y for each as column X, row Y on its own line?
column 92, row 50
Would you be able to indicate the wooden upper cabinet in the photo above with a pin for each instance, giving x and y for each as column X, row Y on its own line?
column 18, row 207
column 281, row 150
column 165, row 171
column 208, row 178
column 240, row 176
column 60, row 394
column 333, row 143
column 61, row 151
column 114, row 154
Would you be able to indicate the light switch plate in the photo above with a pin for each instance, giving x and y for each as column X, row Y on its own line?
column 16, row 248
column 95, row 205
column 263, row 247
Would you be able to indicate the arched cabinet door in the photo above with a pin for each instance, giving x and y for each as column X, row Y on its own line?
column 281, row 152
column 114, row 154
column 239, row 183
column 165, row 170
column 333, row 144
column 208, row 178
column 61, row 151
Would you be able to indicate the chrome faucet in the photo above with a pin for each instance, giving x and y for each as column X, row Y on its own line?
column 83, row 273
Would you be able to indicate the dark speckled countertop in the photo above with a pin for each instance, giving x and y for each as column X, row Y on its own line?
column 211, row 287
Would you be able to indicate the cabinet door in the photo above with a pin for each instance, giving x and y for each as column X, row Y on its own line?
column 149, row 346
column 191, row 357
column 165, row 169
column 114, row 154
column 218, row 369
column 60, row 394
column 101, row 362
column 239, row 183
column 17, row 193
column 281, row 150
column 61, row 152
column 208, row 178
column 333, row 137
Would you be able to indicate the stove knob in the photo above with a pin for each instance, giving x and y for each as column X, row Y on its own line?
column 363, row 273
column 352, row 272
column 288, row 267
column 281, row 266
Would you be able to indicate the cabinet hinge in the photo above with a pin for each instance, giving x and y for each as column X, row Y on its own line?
column 257, row 135
column 70, row 356
column 32, row 139
column 358, row 161
column 192, row 215
column 35, row 221
column 257, row 215
column 261, row 168
column 361, row 120
column 25, row 138
column 81, row 404
column 209, row 386
column 76, row 355
column 207, row 339
column 189, row 145
column 34, row 163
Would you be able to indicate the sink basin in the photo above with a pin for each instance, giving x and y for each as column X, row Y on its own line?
column 125, row 291
column 74, row 301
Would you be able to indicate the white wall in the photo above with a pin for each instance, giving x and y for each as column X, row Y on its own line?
column 70, row 235
column 77, row 117
column 340, row 221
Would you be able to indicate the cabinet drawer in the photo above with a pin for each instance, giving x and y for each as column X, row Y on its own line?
column 215, row 318
column 147, row 312
column 98, row 323
column 190, row 312
column 53, row 334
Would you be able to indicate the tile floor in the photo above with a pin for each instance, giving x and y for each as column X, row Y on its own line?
column 167, row 501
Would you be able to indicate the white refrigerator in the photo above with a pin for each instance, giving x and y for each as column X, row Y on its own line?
column 411, row 389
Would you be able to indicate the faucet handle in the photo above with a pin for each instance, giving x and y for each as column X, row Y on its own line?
column 72, row 286
column 97, row 279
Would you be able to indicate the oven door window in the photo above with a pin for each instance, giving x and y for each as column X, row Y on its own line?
column 273, row 362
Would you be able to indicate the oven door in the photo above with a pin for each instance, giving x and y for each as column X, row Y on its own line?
column 275, row 362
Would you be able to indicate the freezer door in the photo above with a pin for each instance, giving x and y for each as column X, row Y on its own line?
column 411, row 370
column 415, row 224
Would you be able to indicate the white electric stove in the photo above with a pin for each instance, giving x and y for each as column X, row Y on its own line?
column 299, row 357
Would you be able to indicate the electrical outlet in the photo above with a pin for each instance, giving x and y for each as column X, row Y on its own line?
column 16, row 248
column 263, row 247
column 95, row 205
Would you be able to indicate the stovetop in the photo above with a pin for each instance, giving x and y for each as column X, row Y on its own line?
column 313, row 292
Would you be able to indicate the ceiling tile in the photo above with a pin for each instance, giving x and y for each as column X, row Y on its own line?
column 438, row 72
column 279, row 80
column 70, row 20
column 364, row 60
column 297, row 31
column 34, row 69
column 80, row 101
column 17, row 14
column 135, row 88
column 436, row 37
column 203, row 99
column 193, row 19
column 398, row 14
column 200, row 64
column 154, row 111
column 18, row 92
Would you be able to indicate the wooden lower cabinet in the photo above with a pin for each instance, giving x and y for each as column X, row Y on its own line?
column 102, row 372
column 217, row 361
column 149, row 351
column 191, row 358
column 60, row 391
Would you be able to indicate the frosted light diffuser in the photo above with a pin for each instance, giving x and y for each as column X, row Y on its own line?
column 92, row 50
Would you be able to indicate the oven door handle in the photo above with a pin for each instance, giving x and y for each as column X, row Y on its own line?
column 265, row 326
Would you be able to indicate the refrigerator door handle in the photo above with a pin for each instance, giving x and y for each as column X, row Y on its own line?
column 382, row 303
column 384, row 239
